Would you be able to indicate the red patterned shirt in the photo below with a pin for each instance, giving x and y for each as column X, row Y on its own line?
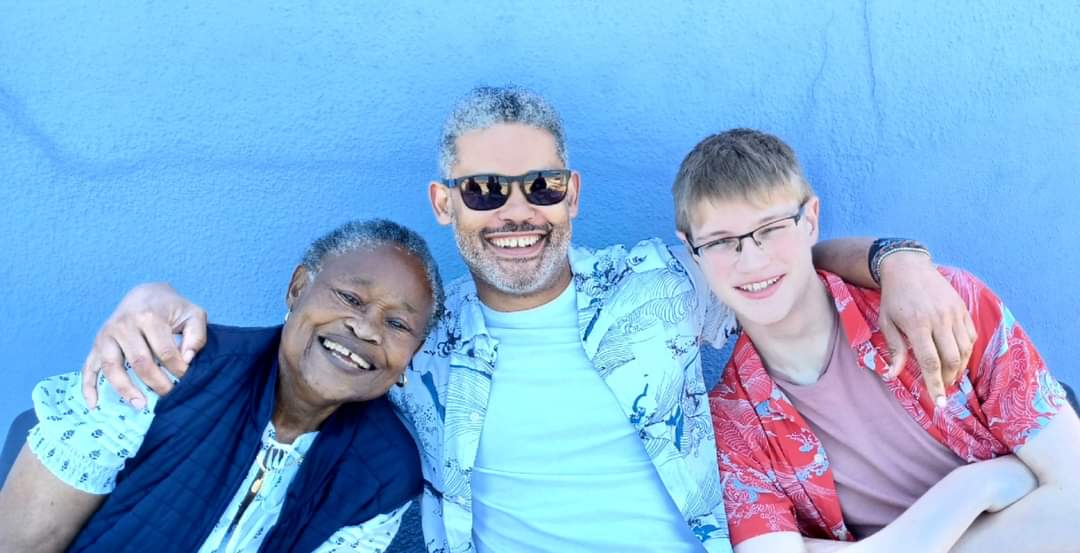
column 774, row 471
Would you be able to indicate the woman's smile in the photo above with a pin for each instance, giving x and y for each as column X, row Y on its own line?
column 346, row 355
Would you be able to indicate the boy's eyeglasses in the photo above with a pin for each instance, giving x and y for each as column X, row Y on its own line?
column 489, row 191
column 727, row 249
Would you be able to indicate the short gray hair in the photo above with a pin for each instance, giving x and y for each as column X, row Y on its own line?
column 485, row 106
column 372, row 233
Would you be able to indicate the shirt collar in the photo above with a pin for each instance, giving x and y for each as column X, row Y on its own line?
column 475, row 338
column 759, row 385
column 855, row 324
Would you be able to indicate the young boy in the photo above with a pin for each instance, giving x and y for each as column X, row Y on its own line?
column 817, row 445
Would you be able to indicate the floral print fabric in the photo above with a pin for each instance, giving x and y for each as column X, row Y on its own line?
column 775, row 473
column 641, row 319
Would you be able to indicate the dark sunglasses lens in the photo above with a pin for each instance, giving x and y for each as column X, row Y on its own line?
column 484, row 193
column 546, row 188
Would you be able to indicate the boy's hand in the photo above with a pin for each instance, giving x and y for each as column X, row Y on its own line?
column 918, row 303
column 140, row 330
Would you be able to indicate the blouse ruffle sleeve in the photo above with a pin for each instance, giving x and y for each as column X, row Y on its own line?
column 87, row 448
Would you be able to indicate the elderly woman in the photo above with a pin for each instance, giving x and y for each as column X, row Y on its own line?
column 305, row 455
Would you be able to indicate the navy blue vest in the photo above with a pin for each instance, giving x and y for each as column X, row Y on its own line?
column 204, row 439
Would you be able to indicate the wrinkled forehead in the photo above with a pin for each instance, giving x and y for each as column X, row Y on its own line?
column 506, row 149
column 389, row 271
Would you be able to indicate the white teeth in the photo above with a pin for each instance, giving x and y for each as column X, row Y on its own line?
column 345, row 353
column 758, row 286
column 516, row 241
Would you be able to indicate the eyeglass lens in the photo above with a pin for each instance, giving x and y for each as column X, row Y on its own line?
column 730, row 248
column 484, row 192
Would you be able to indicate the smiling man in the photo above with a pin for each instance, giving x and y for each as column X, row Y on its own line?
column 559, row 405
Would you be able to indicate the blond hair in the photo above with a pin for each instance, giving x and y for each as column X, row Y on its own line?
column 736, row 165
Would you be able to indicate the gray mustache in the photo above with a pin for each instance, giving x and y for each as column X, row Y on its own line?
column 519, row 227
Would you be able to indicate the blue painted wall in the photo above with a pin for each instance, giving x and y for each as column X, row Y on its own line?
column 206, row 144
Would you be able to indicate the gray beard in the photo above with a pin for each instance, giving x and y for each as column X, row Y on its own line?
column 525, row 282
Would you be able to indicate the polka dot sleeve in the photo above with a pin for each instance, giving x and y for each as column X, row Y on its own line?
column 87, row 448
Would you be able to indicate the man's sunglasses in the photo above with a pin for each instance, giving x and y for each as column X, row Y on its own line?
column 487, row 192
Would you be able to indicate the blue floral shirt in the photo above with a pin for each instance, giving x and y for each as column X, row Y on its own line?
column 642, row 314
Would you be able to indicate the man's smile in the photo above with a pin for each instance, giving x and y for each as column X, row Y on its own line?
column 516, row 245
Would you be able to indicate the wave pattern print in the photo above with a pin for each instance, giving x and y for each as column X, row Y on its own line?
column 774, row 471
column 641, row 317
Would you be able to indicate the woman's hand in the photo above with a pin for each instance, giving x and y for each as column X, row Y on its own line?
column 141, row 331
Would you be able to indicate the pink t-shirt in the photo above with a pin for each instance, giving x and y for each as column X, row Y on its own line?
column 882, row 460
column 774, row 469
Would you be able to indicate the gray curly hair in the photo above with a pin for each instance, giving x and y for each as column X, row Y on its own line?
column 372, row 233
column 485, row 106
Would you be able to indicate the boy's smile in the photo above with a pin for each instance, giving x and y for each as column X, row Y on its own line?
column 764, row 276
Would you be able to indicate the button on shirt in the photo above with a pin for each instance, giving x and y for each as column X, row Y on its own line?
column 641, row 314
column 559, row 467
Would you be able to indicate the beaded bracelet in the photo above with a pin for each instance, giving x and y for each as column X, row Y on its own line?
column 884, row 247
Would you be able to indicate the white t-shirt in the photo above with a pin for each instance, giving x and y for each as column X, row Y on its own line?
column 550, row 472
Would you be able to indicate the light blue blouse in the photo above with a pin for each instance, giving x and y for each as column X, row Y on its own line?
column 86, row 449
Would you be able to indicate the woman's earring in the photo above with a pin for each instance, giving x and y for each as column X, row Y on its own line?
column 287, row 313
column 402, row 380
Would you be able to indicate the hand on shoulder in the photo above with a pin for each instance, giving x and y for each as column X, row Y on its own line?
column 141, row 332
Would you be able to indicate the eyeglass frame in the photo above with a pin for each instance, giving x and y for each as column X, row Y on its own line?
column 696, row 250
column 457, row 182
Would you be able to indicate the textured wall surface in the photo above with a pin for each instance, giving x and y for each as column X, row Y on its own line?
column 206, row 144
